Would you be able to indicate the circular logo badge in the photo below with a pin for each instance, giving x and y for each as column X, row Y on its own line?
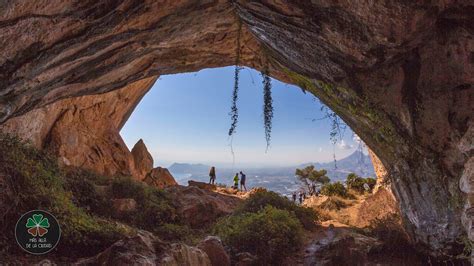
column 37, row 232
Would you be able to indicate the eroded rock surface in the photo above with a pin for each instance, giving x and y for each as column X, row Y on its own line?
column 400, row 73
column 146, row 249
column 199, row 207
column 84, row 131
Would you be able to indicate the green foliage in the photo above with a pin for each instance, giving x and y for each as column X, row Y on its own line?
column 34, row 181
column 263, row 198
column 309, row 175
column 272, row 234
column 333, row 203
column 334, row 189
column 84, row 186
column 154, row 206
column 174, row 232
column 356, row 183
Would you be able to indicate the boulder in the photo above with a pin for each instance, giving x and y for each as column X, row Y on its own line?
column 216, row 252
column 146, row 249
column 160, row 177
column 136, row 250
column 341, row 246
column 142, row 159
column 199, row 207
column 184, row 255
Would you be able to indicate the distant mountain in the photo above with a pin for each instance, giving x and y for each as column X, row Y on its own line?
column 358, row 163
column 187, row 168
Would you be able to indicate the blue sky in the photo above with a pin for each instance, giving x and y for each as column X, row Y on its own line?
column 184, row 118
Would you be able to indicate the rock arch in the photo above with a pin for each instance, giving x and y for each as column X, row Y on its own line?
column 399, row 73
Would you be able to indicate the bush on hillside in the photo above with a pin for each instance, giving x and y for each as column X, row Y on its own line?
column 262, row 198
column 84, row 186
column 357, row 183
column 154, row 208
column 271, row 234
column 33, row 180
column 333, row 203
column 334, row 189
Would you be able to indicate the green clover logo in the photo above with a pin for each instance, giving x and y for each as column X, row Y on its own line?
column 37, row 225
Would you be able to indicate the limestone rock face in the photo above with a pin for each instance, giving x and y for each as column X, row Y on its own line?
column 399, row 73
column 84, row 131
column 143, row 160
column 381, row 173
column 160, row 178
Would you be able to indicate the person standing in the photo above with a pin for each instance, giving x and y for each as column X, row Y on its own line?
column 236, row 181
column 212, row 175
column 301, row 198
column 294, row 197
column 243, row 178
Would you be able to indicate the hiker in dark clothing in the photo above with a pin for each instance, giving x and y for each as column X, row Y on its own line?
column 243, row 178
column 212, row 175
column 294, row 196
column 301, row 197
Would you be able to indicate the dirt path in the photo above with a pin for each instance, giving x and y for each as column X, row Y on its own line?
column 315, row 240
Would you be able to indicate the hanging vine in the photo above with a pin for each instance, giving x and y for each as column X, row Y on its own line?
column 267, row 105
column 338, row 128
column 234, row 112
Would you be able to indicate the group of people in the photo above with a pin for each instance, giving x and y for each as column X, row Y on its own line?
column 301, row 195
column 243, row 179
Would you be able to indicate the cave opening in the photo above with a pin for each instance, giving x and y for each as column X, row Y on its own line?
column 72, row 71
column 184, row 120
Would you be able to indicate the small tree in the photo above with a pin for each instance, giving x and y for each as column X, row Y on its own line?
column 334, row 189
column 310, row 176
column 357, row 183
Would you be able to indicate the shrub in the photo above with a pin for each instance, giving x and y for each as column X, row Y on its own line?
column 174, row 232
column 371, row 182
column 271, row 234
column 357, row 183
column 154, row 207
column 333, row 203
column 36, row 182
column 262, row 198
column 334, row 189
column 85, row 193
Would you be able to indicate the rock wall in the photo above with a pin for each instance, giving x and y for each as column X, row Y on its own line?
column 400, row 73
column 85, row 131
